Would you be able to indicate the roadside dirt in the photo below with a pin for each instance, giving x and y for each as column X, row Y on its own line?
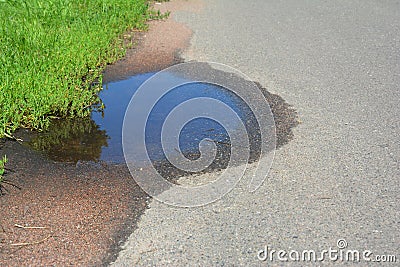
column 86, row 210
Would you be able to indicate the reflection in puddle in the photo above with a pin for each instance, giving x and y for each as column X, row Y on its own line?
column 100, row 137
column 71, row 140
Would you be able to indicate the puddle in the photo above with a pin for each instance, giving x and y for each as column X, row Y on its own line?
column 99, row 137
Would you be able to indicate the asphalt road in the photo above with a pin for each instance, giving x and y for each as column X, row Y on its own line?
column 338, row 64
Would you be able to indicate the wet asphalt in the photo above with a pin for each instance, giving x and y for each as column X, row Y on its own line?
column 338, row 65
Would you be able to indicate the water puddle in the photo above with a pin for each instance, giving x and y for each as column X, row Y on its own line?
column 99, row 138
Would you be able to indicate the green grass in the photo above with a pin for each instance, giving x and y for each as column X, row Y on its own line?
column 52, row 53
column 3, row 162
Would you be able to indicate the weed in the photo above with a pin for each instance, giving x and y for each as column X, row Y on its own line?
column 3, row 161
column 3, row 181
column 157, row 15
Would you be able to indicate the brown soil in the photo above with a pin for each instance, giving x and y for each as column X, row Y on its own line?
column 87, row 209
